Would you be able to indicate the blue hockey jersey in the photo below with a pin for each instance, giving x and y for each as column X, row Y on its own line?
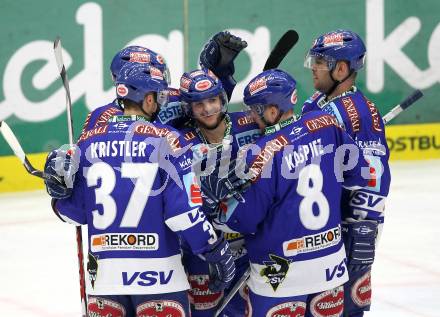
column 134, row 190
column 291, row 213
column 240, row 130
column 362, row 121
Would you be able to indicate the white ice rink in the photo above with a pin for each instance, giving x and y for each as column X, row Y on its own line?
column 38, row 266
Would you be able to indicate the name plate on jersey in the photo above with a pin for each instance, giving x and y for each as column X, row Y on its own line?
column 124, row 242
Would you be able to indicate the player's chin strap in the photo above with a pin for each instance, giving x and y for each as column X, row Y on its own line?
column 336, row 82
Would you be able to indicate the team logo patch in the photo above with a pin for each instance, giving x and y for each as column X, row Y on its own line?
column 122, row 90
column 156, row 73
column 275, row 270
column 161, row 308
column 333, row 39
column 185, row 83
column 203, row 85
column 92, row 268
column 294, row 97
column 140, row 57
column 98, row 306
column 257, row 85
column 361, row 290
column 200, row 296
column 288, row 309
column 329, row 303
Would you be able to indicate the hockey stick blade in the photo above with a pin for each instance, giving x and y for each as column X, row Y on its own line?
column 406, row 103
column 57, row 48
column 281, row 49
column 13, row 143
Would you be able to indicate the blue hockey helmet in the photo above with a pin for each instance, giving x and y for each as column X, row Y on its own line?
column 271, row 87
column 141, row 55
column 339, row 45
column 134, row 81
column 198, row 85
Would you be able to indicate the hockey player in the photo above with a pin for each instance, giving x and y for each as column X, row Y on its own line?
column 290, row 215
column 133, row 190
column 217, row 55
column 215, row 134
column 335, row 58
column 171, row 112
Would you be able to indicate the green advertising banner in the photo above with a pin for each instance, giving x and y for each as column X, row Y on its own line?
column 402, row 38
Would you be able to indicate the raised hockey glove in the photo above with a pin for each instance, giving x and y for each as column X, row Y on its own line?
column 221, row 266
column 219, row 53
column 360, row 243
column 61, row 163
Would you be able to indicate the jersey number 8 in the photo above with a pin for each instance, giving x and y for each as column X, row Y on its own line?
column 310, row 181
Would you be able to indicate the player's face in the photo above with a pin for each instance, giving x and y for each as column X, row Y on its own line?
column 207, row 112
column 321, row 75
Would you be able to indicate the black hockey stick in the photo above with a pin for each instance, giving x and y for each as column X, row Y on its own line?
column 408, row 101
column 234, row 290
column 281, row 49
column 79, row 244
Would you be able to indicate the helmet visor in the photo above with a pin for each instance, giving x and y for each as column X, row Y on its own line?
column 162, row 97
column 319, row 61
column 258, row 109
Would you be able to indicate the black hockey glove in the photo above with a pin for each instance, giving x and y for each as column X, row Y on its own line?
column 221, row 266
column 219, row 53
column 359, row 239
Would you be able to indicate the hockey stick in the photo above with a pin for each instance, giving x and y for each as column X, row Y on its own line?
column 408, row 101
column 281, row 49
column 79, row 244
column 234, row 290
column 13, row 143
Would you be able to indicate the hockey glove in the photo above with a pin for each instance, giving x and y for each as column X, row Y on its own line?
column 359, row 240
column 219, row 53
column 217, row 187
column 221, row 266
column 62, row 163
